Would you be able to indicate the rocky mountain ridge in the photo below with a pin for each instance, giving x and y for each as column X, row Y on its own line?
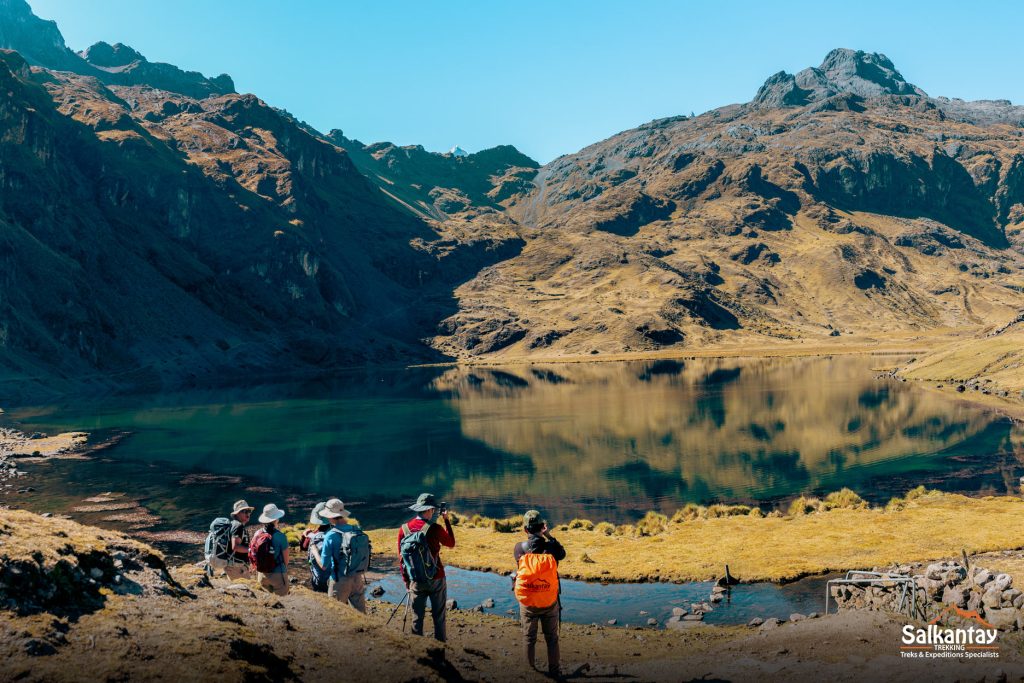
column 159, row 228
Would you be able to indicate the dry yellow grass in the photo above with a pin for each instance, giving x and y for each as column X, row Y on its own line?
column 998, row 358
column 767, row 548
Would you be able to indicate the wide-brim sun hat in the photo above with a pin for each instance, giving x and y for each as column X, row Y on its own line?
column 314, row 517
column 334, row 509
column 241, row 506
column 425, row 502
column 271, row 513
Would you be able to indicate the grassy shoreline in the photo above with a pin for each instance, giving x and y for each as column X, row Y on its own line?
column 923, row 526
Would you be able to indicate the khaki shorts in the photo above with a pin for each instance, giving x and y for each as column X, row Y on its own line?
column 276, row 583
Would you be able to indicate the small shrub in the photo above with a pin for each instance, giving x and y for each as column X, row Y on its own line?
column 586, row 559
column 584, row 524
column 606, row 528
column 845, row 499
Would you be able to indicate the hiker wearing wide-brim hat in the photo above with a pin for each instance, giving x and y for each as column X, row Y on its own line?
column 228, row 551
column 311, row 543
column 425, row 502
column 419, row 548
column 346, row 556
column 536, row 587
column 268, row 554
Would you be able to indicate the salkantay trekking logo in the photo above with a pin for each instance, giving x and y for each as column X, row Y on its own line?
column 976, row 638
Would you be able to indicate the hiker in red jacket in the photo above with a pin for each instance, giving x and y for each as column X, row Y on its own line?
column 435, row 589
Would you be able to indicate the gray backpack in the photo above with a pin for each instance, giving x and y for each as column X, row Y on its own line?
column 355, row 552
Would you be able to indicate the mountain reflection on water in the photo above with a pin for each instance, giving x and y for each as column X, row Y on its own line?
column 607, row 440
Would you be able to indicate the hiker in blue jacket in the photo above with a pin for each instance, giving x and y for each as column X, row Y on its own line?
column 346, row 556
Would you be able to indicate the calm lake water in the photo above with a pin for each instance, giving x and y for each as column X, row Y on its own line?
column 601, row 440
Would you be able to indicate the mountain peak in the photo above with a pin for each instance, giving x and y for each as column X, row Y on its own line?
column 105, row 55
column 843, row 71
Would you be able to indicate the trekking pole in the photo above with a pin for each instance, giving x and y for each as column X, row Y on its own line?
column 405, row 616
column 397, row 607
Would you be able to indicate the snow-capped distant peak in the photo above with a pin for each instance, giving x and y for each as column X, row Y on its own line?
column 457, row 151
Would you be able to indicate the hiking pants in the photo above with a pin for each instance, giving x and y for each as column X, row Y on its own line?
column 350, row 589
column 549, row 619
column 276, row 583
column 437, row 591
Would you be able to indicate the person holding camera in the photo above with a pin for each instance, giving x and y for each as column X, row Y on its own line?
column 537, row 589
column 419, row 547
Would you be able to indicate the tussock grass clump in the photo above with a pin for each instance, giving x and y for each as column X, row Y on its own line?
column 605, row 528
column 577, row 523
column 845, row 499
column 716, row 511
column 507, row 525
column 804, row 505
column 652, row 524
column 755, row 512
column 688, row 512
column 624, row 530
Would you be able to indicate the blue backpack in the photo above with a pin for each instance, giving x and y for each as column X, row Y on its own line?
column 318, row 577
column 419, row 563
column 355, row 552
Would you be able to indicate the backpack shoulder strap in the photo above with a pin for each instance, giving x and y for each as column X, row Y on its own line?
column 406, row 532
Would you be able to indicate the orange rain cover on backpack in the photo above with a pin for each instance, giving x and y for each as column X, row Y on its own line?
column 537, row 580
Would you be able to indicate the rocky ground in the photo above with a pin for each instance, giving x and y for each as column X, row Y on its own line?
column 85, row 604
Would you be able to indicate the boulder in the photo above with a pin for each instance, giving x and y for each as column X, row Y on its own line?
column 678, row 624
column 992, row 598
column 755, row 622
column 1003, row 581
column 488, row 603
column 679, row 612
column 693, row 617
column 770, row 623
column 974, row 601
column 1018, row 601
column 1003, row 619
column 981, row 577
column 954, row 596
column 796, row 616
column 652, row 621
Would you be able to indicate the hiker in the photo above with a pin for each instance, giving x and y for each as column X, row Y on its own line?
column 227, row 544
column 537, row 588
column 419, row 548
column 346, row 557
column 268, row 552
column 312, row 542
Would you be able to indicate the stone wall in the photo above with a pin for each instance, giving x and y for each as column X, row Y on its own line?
column 941, row 585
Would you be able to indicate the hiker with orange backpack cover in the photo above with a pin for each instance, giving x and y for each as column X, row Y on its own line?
column 537, row 589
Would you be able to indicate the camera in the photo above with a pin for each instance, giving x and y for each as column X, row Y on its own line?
column 443, row 507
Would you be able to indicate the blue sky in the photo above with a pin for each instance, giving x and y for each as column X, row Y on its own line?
column 549, row 77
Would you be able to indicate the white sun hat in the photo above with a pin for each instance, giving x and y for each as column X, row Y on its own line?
column 271, row 513
column 334, row 509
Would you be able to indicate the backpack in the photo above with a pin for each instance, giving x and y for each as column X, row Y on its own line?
column 261, row 553
column 537, row 580
column 418, row 563
column 317, row 575
column 355, row 549
column 218, row 541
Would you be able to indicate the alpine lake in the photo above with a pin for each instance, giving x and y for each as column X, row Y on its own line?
column 605, row 441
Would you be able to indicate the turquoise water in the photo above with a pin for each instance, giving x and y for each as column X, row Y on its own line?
column 595, row 603
column 599, row 440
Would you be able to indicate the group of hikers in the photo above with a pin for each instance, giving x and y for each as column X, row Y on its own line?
column 338, row 555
